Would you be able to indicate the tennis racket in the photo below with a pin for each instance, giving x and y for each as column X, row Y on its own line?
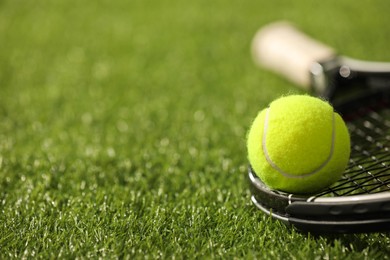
column 360, row 93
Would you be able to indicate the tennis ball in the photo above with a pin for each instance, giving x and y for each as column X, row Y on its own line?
column 298, row 144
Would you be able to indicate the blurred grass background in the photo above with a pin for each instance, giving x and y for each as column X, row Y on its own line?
column 123, row 123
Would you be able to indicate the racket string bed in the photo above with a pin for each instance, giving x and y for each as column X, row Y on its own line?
column 369, row 168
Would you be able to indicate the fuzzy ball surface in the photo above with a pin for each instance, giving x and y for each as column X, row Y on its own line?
column 298, row 144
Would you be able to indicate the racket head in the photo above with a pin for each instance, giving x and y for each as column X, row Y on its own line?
column 362, row 196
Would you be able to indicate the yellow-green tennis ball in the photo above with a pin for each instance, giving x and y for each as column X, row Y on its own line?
column 298, row 144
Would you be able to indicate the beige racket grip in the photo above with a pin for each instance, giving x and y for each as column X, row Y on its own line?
column 282, row 48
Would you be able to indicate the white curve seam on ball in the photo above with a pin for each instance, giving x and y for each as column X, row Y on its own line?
column 287, row 174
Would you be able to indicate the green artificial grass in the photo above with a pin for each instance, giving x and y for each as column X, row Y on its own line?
column 123, row 125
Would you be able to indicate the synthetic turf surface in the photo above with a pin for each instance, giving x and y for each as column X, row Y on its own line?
column 123, row 124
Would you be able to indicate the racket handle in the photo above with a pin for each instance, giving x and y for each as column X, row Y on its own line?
column 282, row 48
